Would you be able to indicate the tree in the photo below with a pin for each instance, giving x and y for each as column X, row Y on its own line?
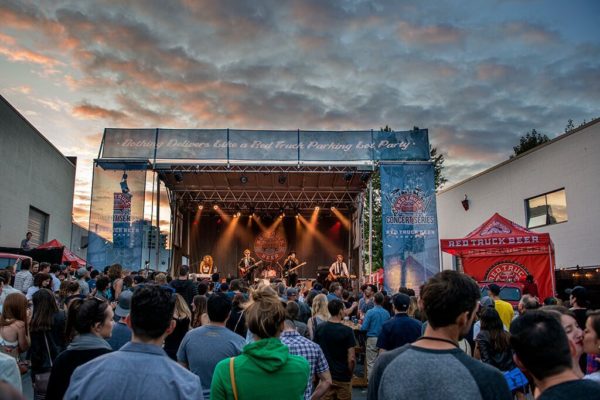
column 377, row 241
column 529, row 141
column 570, row 126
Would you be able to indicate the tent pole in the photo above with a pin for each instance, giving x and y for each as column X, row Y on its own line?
column 370, row 226
column 552, row 270
column 157, row 222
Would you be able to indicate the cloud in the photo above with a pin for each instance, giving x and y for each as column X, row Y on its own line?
column 443, row 34
column 24, row 55
column 530, row 32
column 89, row 111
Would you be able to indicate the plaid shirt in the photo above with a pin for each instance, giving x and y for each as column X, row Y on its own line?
column 301, row 346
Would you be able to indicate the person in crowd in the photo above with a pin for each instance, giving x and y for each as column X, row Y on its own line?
column 551, row 301
column 26, row 243
column 374, row 320
column 337, row 342
column 40, row 280
column 115, row 273
column 202, row 348
column 102, row 288
column 335, row 291
column 121, row 333
column 9, row 373
column 54, row 270
column 350, row 303
column 14, row 329
column 304, row 310
column 292, row 310
column 530, row 287
column 93, row 279
column 265, row 368
column 527, row 303
column 543, row 351
column 401, row 329
column 301, row 346
column 47, row 329
column 128, row 282
column 591, row 340
column 24, row 278
column 237, row 320
column 450, row 301
column 505, row 309
column 574, row 333
column 199, row 311
column 44, row 267
column 579, row 301
column 366, row 302
column 82, row 274
column 69, row 290
column 184, row 286
column 35, row 268
column 140, row 369
column 7, row 289
column 183, row 318
column 320, row 314
column 89, row 323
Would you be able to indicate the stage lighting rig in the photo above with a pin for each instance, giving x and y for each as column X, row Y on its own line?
column 200, row 207
column 178, row 177
column 215, row 207
column 348, row 176
column 282, row 179
column 243, row 179
column 364, row 177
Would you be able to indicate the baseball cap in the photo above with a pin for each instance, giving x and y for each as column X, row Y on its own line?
column 401, row 302
column 81, row 272
column 291, row 292
column 486, row 301
column 124, row 305
column 577, row 291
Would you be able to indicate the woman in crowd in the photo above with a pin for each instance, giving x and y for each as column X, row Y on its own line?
column 115, row 273
column 199, row 311
column 320, row 314
column 103, row 288
column 68, row 291
column 47, row 338
column 14, row 332
column 90, row 321
column 182, row 317
column 265, row 368
column 237, row 320
column 591, row 340
column 573, row 331
column 40, row 280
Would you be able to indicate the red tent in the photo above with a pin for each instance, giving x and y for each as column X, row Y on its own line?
column 67, row 256
column 500, row 250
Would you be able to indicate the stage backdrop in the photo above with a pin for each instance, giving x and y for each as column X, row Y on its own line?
column 410, row 238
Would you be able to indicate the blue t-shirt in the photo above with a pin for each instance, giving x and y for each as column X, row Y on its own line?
column 398, row 331
column 121, row 334
column 374, row 320
column 202, row 349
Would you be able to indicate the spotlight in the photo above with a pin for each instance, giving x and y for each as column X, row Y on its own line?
column 216, row 207
column 348, row 176
column 281, row 216
column 297, row 216
column 238, row 214
column 282, row 179
column 200, row 207
column 317, row 208
column 243, row 179
column 281, row 210
column 333, row 208
column 178, row 177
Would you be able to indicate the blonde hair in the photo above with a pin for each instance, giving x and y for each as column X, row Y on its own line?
column 319, row 306
column 264, row 312
column 413, row 307
column 208, row 260
column 160, row 278
column 181, row 307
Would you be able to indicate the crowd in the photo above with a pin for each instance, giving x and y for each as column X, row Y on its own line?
column 121, row 334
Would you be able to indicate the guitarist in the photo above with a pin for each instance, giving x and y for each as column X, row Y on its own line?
column 291, row 262
column 338, row 269
column 245, row 265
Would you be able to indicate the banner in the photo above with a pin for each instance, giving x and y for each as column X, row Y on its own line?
column 410, row 233
column 265, row 145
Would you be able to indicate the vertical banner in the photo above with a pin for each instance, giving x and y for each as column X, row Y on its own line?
column 410, row 232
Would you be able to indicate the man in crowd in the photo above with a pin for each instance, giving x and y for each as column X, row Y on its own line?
column 81, row 275
column 578, row 299
column 24, row 278
column 366, row 302
column 26, row 243
column 301, row 346
column 335, row 292
column 202, row 348
column 543, row 350
column 54, row 270
column 374, row 320
column 527, row 303
column 6, row 275
column 141, row 368
column 184, row 286
column 505, row 309
column 433, row 367
column 401, row 329
column 337, row 342
column 121, row 333
column 304, row 310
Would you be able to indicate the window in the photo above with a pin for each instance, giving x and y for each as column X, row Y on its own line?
column 547, row 209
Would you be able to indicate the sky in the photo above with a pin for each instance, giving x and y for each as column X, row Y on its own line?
column 477, row 73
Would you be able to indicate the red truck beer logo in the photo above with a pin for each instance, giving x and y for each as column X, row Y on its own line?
column 270, row 246
column 408, row 203
column 506, row 271
column 495, row 228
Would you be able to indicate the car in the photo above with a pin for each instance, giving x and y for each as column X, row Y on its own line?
column 8, row 260
column 510, row 292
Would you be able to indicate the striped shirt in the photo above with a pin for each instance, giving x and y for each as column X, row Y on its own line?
column 301, row 346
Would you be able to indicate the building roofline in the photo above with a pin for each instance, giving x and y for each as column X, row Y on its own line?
column 36, row 130
column 539, row 147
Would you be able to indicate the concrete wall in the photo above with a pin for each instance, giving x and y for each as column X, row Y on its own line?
column 32, row 173
column 571, row 161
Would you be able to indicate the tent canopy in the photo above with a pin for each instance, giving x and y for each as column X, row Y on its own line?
column 67, row 256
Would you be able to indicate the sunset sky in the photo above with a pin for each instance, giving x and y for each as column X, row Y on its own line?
column 478, row 74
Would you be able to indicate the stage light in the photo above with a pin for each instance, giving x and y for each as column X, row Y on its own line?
column 297, row 216
column 348, row 176
column 216, row 207
column 178, row 177
column 317, row 208
column 200, row 207
column 333, row 208
column 281, row 215
column 243, row 179
column 282, row 179
column 281, row 210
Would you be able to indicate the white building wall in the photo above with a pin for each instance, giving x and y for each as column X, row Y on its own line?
column 571, row 161
column 32, row 173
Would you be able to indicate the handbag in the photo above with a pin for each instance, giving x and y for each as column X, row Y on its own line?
column 515, row 379
column 232, row 377
column 40, row 383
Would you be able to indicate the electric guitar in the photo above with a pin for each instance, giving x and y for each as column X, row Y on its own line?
column 246, row 271
column 286, row 273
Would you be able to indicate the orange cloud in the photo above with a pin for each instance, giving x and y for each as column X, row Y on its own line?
column 530, row 33
column 489, row 71
column 25, row 55
column 90, row 111
column 432, row 35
